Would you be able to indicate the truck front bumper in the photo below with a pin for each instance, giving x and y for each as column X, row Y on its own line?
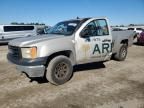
column 32, row 67
column 32, row 71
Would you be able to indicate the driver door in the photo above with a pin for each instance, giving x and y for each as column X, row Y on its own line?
column 92, row 45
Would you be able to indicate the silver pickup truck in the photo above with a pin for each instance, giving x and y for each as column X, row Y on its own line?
column 67, row 44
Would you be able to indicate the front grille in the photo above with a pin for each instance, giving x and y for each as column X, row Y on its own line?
column 14, row 51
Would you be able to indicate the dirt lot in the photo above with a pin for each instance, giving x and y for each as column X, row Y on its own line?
column 109, row 85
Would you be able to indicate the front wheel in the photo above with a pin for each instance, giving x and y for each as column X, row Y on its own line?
column 121, row 55
column 59, row 70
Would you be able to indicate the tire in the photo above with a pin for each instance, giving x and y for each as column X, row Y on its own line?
column 121, row 55
column 59, row 70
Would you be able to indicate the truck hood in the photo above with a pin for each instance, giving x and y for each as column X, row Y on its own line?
column 33, row 39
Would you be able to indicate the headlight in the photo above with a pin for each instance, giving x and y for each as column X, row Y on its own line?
column 29, row 52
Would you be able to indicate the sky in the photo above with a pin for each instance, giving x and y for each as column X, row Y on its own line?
column 52, row 11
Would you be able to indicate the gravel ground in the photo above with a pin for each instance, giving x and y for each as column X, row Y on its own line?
column 109, row 85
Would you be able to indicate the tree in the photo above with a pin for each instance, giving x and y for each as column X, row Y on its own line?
column 121, row 25
column 22, row 23
column 14, row 23
column 131, row 25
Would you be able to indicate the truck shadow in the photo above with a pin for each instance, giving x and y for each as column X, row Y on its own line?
column 137, row 44
column 77, row 68
column 39, row 80
column 3, row 44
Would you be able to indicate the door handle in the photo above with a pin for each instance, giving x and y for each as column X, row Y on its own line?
column 106, row 40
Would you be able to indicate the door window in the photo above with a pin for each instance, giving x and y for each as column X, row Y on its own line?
column 101, row 27
column 90, row 29
column 138, row 28
column 96, row 28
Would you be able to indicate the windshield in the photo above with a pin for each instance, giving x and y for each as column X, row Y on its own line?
column 64, row 28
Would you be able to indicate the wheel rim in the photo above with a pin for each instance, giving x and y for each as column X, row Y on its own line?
column 124, row 52
column 61, row 70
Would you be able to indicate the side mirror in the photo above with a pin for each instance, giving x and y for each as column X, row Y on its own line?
column 84, row 33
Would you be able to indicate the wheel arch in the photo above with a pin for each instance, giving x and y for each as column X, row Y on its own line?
column 124, row 41
column 67, row 53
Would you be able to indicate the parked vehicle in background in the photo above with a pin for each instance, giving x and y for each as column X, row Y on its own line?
column 9, row 32
column 137, row 30
column 140, row 38
column 119, row 28
column 67, row 44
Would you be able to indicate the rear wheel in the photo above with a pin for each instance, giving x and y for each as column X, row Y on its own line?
column 59, row 70
column 121, row 55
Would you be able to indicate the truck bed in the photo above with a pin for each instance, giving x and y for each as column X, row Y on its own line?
column 118, row 36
